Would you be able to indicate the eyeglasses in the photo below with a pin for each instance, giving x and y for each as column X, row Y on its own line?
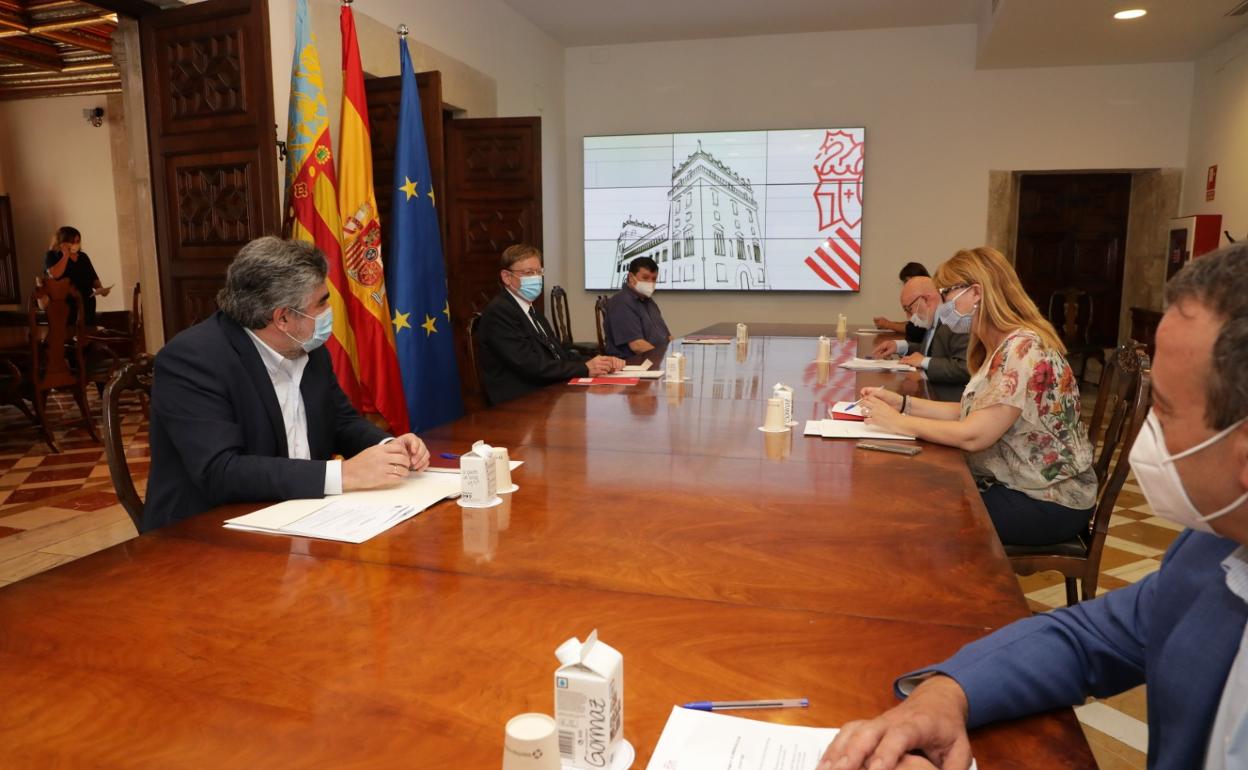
column 910, row 308
column 944, row 293
column 527, row 273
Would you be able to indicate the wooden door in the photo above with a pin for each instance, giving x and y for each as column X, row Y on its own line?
column 208, row 85
column 1072, row 232
column 10, row 293
column 493, row 200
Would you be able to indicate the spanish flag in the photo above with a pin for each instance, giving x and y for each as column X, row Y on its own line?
column 311, row 194
column 374, row 361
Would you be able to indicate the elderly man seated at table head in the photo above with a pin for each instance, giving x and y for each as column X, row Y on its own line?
column 633, row 323
column 246, row 407
column 942, row 352
column 519, row 350
column 1180, row 630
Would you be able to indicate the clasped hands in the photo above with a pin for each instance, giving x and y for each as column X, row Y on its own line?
column 600, row 365
column 888, row 349
column 385, row 465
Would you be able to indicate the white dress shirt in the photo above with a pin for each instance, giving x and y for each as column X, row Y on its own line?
column 524, row 308
column 286, row 374
column 1228, row 743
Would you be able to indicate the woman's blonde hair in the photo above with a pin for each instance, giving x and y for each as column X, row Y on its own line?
column 1004, row 306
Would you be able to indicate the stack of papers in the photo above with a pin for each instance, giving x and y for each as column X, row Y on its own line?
column 848, row 429
column 643, row 366
column 652, row 374
column 619, row 378
column 702, row 740
column 352, row 517
column 876, row 365
column 707, row 339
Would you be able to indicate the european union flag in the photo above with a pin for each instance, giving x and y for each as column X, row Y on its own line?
column 416, row 275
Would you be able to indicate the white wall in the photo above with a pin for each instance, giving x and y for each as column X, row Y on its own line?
column 525, row 63
column 935, row 126
column 1219, row 135
column 58, row 170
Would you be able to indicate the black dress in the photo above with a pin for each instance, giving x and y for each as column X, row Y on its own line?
column 81, row 273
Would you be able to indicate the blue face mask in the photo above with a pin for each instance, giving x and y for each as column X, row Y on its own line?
column 949, row 315
column 530, row 287
column 320, row 333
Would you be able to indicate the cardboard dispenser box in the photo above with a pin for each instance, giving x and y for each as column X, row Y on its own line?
column 589, row 702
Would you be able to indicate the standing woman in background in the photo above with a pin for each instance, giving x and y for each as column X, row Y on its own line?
column 1019, row 419
column 67, row 260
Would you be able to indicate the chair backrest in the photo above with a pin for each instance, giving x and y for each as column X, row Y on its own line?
column 1114, row 400
column 1070, row 311
column 474, row 321
column 49, row 351
column 139, row 344
column 560, row 316
column 134, row 376
column 1141, row 400
column 600, row 322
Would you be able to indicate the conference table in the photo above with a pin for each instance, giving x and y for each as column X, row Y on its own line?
column 721, row 561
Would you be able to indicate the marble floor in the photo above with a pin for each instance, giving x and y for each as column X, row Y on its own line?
column 58, row 507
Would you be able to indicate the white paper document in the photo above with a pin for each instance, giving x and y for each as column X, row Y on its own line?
column 431, row 469
column 876, row 365
column 643, row 366
column 709, row 341
column 848, row 429
column 703, row 740
column 352, row 517
column 651, row 374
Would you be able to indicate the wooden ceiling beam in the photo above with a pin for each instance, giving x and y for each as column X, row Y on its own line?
column 40, row 56
column 107, row 18
column 80, row 39
column 9, row 94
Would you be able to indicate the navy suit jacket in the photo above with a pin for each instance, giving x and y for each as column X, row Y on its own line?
column 1178, row 629
column 515, row 359
column 217, row 434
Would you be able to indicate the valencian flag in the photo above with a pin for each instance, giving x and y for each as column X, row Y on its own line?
column 416, row 276
column 311, row 194
column 374, row 361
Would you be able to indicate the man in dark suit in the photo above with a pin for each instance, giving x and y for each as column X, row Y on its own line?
column 942, row 353
column 1180, row 630
column 518, row 347
column 245, row 405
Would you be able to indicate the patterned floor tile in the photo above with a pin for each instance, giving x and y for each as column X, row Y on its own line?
column 1145, row 534
column 61, row 473
column 30, row 494
column 6, row 531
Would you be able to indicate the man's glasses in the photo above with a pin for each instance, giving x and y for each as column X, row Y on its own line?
column 526, row 273
column 909, row 309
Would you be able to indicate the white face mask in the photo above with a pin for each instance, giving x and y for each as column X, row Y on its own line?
column 644, row 288
column 918, row 321
column 1159, row 479
column 949, row 315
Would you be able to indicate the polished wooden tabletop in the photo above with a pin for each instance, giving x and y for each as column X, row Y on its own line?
column 723, row 562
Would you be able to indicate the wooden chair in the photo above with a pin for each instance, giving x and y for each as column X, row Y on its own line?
column 1079, row 559
column 1113, row 402
column 134, row 376
column 56, row 357
column 1073, row 320
column 600, row 322
column 474, row 365
column 105, row 351
column 11, row 381
column 561, row 317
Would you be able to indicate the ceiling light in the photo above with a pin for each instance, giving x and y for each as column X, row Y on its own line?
column 1133, row 13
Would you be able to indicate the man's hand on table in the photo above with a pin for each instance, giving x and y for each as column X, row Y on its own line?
column 383, row 465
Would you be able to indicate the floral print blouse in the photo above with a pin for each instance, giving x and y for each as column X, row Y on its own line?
column 1046, row 453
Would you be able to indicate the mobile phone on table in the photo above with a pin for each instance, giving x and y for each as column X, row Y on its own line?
column 900, row 449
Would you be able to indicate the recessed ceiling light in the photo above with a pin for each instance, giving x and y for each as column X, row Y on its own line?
column 1133, row 13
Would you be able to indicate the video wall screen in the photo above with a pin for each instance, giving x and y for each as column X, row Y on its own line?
column 727, row 211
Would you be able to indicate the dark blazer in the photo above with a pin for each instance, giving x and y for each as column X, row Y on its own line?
column 515, row 359
column 948, row 353
column 217, row 434
column 1178, row 630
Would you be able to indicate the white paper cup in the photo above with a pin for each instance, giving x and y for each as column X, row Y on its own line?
column 502, row 470
column 824, row 353
column 530, row 743
column 775, row 415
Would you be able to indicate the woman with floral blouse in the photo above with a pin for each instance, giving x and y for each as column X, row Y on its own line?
column 1018, row 419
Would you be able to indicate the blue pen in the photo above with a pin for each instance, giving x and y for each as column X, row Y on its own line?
column 725, row 705
column 448, row 456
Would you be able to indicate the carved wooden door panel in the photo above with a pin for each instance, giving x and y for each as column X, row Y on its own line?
column 9, row 291
column 493, row 200
column 208, row 84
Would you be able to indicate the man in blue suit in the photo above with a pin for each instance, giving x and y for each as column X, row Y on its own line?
column 1181, row 630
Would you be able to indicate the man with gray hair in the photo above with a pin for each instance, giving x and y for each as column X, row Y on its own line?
column 1181, row 629
column 246, row 407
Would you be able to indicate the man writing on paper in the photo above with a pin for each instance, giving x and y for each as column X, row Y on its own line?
column 1181, row 630
column 245, row 405
column 633, row 322
column 942, row 353
column 519, row 350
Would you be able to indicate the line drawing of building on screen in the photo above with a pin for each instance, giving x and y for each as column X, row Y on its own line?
column 711, row 237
